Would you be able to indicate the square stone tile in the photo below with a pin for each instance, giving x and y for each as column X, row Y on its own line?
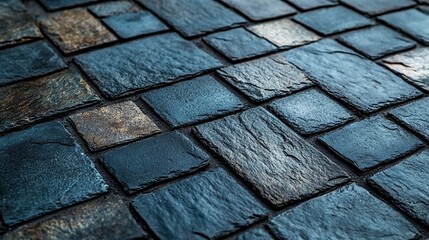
column 375, row 7
column 311, row 4
column 258, row 10
column 74, row 30
column 332, row 20
column 192, row 101
column 52, row 5
column 43, row 170
column 108, row 9
column 210, row 204
column 114, row 124
column 284, row 33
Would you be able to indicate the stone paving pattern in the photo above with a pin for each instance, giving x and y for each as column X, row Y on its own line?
column 214, row 119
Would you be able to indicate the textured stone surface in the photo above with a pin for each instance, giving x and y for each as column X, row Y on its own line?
column 265, row 78
column 281, row 166
column 104, row 218
column 332, row 20
column 237, row 44
column 77, row 29
column 348, row 213
column 113, row 8
column 145, row 163
column 371, row 142
column 26, row 102
column 192, row 101
column 310, row 112
column 134, row 24
column 424, row 9
column 144, row 63
column 412, row 65
column 406, row 184
column 43, row 170
column 254, row 234
column 261, row 9
column 61, row 4
column 284, row 33
column 194, row 17
column 410, row 21
column 349, row 77
column 206, row 206
column 375, row 7
column 310, row 4
column 38, row 59
column 113, row 124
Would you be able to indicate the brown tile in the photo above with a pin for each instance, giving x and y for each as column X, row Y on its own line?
column 114, row 124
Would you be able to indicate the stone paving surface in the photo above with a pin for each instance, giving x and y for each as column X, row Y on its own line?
column 214, row 119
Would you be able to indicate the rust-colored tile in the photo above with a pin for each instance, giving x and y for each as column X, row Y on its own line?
column 77, row 29
column 114, row 124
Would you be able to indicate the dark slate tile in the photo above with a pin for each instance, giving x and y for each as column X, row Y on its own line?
column 192, row 101
column 310, row 112
column 26, row 102
column 412, row 22
column 150, row 161
column 144, row 63
column 280, row 165
column 265, row 78
column 107, row 9
column 104, row 218
column 375, row 7
column 254, row 234
column 38, row 59
column 348, row 213
column 237, row 44
column 194, row 17
column 350, row 77
column 208, row 205
column 310, row 4
column 406, row 184
column 134, row 24
column 371, row 142
column 61, row 4
column 261, row 9
column 332, row 20
column 44, row 170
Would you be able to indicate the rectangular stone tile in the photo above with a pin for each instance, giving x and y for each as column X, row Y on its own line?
column 38, row 59
column 43, row 170
column 104, row 218
column 350, row 77
column 144, row 63
column 194, row 17
column 348, row 213
column 26, row 102
column 375, row 7
column 107, row 9
column 150, row 161
column 280, row 165
column 208, row 206
column 114, row 124
column 311, row 4
column 61, row 4
column 192, row 101
column 258, row 10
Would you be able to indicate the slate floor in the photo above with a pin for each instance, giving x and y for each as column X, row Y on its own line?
column 214, row 119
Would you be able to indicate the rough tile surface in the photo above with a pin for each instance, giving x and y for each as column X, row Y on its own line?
column 255, row 234
column 59, row 171
column 61, row 4
column 113, row 8
column 261, row 9
column 310, row 4
column 375, row 7
column 209, row 205
column 280, row 165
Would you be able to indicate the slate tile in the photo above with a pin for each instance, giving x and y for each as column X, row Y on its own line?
column 150, row 161
column 104, row 218
column 129, row 25
column 332, row 20
column 108, row 9
column 38, row 59
column 371, row 142
column 238, row 44
column 52, row 5
column 376, row 42
column 144, row 63
column 284, row 33
column 424, row 9
column 45, row 171
column 376, row 7
column 310, row 112
column 311, row 4
column 348, row 213
column 265, row 78
column 26, row 102
column 114, row 124
column 258, row 10
column 349, row 77
column 194, row 17
column 412, row 22
column 192, row 101
column 254, row 234
column 406, row 184
column 281, row 166
column 208, row 205
column 412, row 66
column 74, row 30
